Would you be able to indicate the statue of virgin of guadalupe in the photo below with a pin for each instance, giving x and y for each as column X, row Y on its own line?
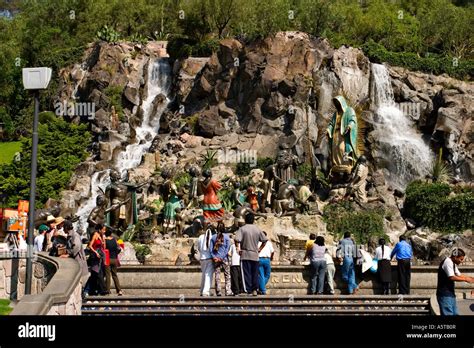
column 342, row 134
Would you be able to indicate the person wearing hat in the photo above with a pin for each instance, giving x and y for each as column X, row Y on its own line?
column 51, row 223
column 40, row 238
column 59, row 228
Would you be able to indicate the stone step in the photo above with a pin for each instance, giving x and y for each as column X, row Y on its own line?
column 257, row 305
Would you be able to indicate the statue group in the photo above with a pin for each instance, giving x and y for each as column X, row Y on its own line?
column 274, row 190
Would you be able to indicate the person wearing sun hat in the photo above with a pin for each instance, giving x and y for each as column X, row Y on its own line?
column 40, row 238
column 51, row 224
column 59, row 231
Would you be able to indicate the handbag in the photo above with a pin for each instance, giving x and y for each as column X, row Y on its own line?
column 107, row 257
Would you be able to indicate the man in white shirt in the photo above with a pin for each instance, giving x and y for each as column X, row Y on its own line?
column 264, row 265
column 448, row 273
column 40, row 238
column 207, row 266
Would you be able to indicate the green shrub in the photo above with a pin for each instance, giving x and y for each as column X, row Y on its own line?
column 363, row 225
column 141, row 251
column 304, row 172
column 433, row 64
column 183, row 47
column 114, row 93
column 108, row 34
column 244, row 169
column 431, row 205
column 62, row 146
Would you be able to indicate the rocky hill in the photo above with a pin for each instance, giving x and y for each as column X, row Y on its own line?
column 267, row 95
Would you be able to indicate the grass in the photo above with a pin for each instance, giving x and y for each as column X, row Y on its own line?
column 5, row 308
column 8, row 150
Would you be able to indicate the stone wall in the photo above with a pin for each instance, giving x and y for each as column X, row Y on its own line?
column 13, row 275
column 284, row 280
column 56, row 287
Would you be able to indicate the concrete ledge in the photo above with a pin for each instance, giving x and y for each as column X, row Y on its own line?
column 172, row 280
column 59, row 291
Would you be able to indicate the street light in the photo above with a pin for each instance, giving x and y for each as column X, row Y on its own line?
column 34, row 79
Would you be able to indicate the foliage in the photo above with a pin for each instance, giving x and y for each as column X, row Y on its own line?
column 363, row 225
column 61, row 148
column 5, row 308
column 138, row 38
column 209, row 159
column 108, row 34
column 433, row 205
column 434, row 64
column 192, row 122
column 423, row 35
column 141, row 251
column 8, row 151
column 244, row 169
column 183, row 46
column 182, row 179
column 322, row 179
column 114, row 93
column 304, row 172
column 225, row 196
column 440, row 172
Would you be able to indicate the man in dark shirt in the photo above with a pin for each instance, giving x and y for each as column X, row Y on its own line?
column 448, row 273
column 246, row 239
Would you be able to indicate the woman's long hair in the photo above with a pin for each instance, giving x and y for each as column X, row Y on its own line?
column 220, row 236
column 382, row 245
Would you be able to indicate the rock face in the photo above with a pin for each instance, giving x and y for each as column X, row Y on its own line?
column 443, row 108
column 259, row 97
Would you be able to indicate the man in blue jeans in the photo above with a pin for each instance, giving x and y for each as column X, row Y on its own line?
column 347, row 251
column 448, row 273
column 264, row 265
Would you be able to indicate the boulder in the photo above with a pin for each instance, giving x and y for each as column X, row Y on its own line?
column 210, row 124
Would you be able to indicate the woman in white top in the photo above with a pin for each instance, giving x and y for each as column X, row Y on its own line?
column 235, row 271
column 207, row 267
column 384, row 268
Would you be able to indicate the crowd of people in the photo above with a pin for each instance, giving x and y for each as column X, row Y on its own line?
column 99, row 260
column 244, row 259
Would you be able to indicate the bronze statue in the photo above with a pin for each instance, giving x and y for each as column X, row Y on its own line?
column 286, row 165
column 194, row 188
column 238, row 198
column 285, row 201
column 270, row 183
column 98, row 215
column 118, row 194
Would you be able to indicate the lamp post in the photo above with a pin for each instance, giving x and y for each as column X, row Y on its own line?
column 33, row 79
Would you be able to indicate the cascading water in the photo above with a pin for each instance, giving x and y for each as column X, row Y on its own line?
column 158, row 82
column 99, row 181
column 403, row 152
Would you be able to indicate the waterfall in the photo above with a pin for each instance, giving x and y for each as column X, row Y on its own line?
column 158, row 83
column 99, row 181
column 404, row 154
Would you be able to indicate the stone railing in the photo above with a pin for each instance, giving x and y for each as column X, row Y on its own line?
column 56, row 285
